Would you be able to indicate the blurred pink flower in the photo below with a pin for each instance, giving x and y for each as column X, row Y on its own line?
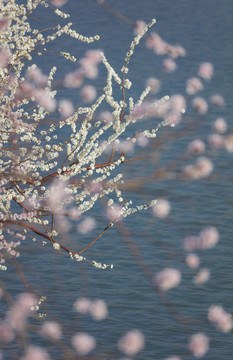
column 43, row 98
column 5, row 55
column 161, row 209
column 199, row 345
column 25, row 302
column 66, row 107
column 74, row 213
column 193, row 261
column 200, row 105
column 98, row 310
column 156, row 43
column 228, row 143
column 35, row 353
column 142, row 140
column 154, row 84
column 216, row 141
column 86, row 225
column 58, row 3
column 139, row 27
column 220, row 125
column 217, row 100
column 83, row 343
column 88, row 93
column 35, row 75
column 167, row 279
column 202, row 277
column 6, row 333
column 169, row 65
column 106, row 116
column 196, row 146
column 178, row 103
column 132, row 342
column 57, row 194
column 114, row 213
column 209, row 237
column 201, row 169
column 206, row 70
column 193, row 86
column 82, row 305
column 222, row 319
column 73, row 79
column 51, row 329
column 4, row 22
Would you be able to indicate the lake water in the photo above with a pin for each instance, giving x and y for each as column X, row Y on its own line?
column 205, row 30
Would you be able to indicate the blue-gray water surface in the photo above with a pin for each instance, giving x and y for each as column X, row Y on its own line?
column 205, row 29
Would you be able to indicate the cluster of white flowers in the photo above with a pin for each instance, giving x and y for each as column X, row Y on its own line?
column 33, row 177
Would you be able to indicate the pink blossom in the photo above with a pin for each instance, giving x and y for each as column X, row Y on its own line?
column 200, row 105
column 51, row 329
column 178, row 103
column 5, row 55
column 4, row 22
column 66, row 108
column 89, row 64
column 204, row 166
column 178, row 51
column 199, row 345
column 222, row 319
column 193, row 261
column 125, row 146
column 193, row 86
column 94, row 56
column 228, row 143
column 173, row 118
column 6, row 333
column 82, row 305
column 142, row 140
column 201, row 169
column 96, row 187
column 35, row 353
column 86, row 225
column 132, row 342
column 83, row 343
column 156, row 43
column 57, row 195
column 98, row 310
column 161, row 209
column 220, row 125
column 169, row 65
column 88, row 93
column 216, row 141
column 196, row 146
column 44, row 99
column 167, row 279
column 139, row 26
column 106, row 116
column 36, row 75
column 202, row 277
column 58, row 3
column 154, row 84
column 206, row 70
column 114, row 213
column 217, row 100
column 88, row 68
column 209, row 237
column 161, row 47
column 73, row 79
column 25, row 302
column 74, row 213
